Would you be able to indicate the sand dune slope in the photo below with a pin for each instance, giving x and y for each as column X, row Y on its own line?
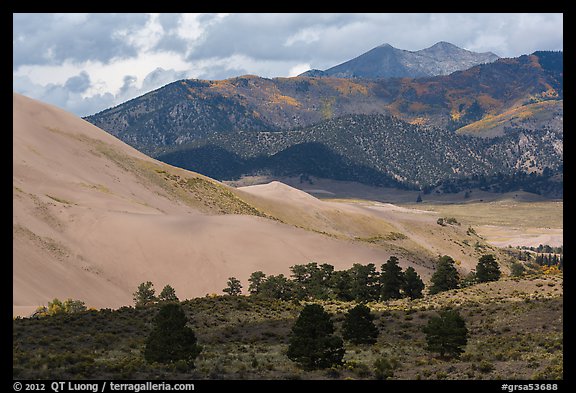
column 93, row 218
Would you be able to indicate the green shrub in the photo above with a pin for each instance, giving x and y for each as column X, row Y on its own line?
column 384, row 367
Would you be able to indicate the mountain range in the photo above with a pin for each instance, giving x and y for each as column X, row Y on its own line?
column 501, row 120
column 385, row 61
column 384, row 151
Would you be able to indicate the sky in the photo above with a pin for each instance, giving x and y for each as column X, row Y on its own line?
column 85, row 63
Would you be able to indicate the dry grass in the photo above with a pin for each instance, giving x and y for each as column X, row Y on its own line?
column 502, row 213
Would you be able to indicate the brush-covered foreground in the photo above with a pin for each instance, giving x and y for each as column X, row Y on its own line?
column 515, row 332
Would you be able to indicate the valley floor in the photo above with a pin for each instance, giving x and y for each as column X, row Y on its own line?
column 502, row 219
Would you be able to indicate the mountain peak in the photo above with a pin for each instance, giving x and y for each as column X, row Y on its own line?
column 386, row 61
column 444, row 44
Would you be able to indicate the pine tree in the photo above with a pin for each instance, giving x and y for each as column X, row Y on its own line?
column 391, row 280
column 413, row 284
column 312, row 343
column 364, row 286
column 358, row 326
column 234, row 287
column 487, row 269
column 340, row 284
column 255, row 281
column 277, row 287
column 168, row 294
column 446, row 334
column 144, row 295
column 170, row 339
column 445, row 277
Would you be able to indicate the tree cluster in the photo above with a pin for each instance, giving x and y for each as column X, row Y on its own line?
column 56, row 306
column 361, row 283
column 145, row 295
column 550, row 260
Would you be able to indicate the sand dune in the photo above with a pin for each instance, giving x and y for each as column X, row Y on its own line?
column 93, row 218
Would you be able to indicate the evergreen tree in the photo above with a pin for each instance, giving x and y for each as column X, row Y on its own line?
column 144, row 295
column 277, row 287
column 234, row 287
column 413, row 284
column 168, row 294
column 300, row 278
column 446, row 334
column 312, row 342
column 487, row 269
column 170, row 339
column 445, row 277
column 340, row 284
column 255, row 281
column 358, row 326
column 391, row 279
column 320, row 287
column 311, row 280
column 364, row 285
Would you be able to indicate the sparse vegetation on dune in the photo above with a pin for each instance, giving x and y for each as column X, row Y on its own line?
column 514, row 332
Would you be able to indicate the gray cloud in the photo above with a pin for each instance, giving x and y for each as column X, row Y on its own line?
column 54, row 38
column 216, row 47
column 79, row 83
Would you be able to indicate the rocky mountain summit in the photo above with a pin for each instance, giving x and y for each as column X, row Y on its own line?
column 385, row 61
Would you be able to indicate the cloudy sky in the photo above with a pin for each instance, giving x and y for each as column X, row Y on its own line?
column 85, row 63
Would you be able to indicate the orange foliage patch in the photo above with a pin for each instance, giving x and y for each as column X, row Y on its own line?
column 347, row 87
column 280, row 99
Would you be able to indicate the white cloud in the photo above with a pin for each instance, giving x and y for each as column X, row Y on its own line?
column 306, row 36
column 298, row 69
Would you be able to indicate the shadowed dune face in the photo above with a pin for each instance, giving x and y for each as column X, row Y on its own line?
column 93, row 218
